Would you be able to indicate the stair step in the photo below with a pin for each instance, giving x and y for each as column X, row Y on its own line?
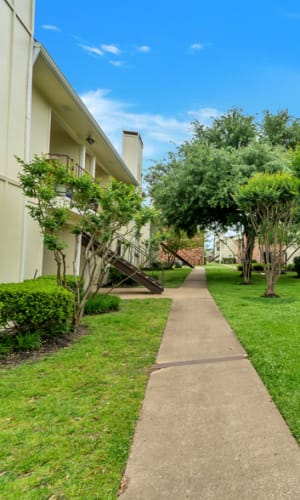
column 129, row 269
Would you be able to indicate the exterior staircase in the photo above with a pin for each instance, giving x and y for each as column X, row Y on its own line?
column 168, row 249
column 129, row 269
column 136, row 274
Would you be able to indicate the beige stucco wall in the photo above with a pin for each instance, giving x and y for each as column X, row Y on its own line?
column 40, row 125
column 101, row 176
column 16, row 19
column 49, row 264
column 132, row 153
column 62, row 143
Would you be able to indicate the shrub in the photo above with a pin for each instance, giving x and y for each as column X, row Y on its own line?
column 71, row 281
column 297, row 266
column 36, row 306
column 290, row 267
column 115, row 277
column 1, row 320
column 102, row 303
column 258, row 267
column 229, row 260
column 177, row 264
column 254, row 267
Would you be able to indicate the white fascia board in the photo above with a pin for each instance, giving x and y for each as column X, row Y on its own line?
column 40, row 51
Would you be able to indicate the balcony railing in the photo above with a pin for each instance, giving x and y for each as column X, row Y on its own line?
column 69, row 163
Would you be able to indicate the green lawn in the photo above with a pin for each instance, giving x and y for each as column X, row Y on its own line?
column 171, row 278
column 269, row 329
column 66, row 421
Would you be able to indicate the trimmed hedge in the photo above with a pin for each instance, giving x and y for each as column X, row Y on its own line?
column 229, row 260
column 71, row 281
column 258, row 267
column 254, row 267
column 34, row 306
column 102, row 303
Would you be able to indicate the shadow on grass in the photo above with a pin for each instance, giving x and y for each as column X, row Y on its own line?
column 273, row 301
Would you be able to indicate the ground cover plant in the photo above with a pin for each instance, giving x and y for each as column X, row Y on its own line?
column 102, row 303
column 171, row 278
column 268, row 329
column 66, row 421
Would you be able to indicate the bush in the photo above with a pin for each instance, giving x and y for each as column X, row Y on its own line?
column 35, row 307
column 115, row 277
column 258, row 267
column 229, row 260
column 102, row 303
column 1, row 320
column 177, row 264
column 290, row 268
column 297, row 266
column 254, row 267
column 71, row 281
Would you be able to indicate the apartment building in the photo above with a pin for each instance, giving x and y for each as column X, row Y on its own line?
column 42, row 114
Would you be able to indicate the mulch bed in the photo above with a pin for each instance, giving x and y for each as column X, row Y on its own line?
column 48, row 346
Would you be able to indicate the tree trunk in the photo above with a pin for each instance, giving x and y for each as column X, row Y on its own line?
column 270, row 288
column 249, row 246
column 273, row 271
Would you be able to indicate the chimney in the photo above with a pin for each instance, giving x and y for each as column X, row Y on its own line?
column 132, row 153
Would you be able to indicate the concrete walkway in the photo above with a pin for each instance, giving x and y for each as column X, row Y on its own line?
column 208, row 428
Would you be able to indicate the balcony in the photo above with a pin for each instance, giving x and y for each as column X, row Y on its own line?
column 69, row 163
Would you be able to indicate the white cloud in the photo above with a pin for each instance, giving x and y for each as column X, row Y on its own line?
column 204, row 115
column 196, row 46
column 111, row 49
column 159, row 132
column 144, row 48
column 50, row 27
column 91, row 50
column 117, row 63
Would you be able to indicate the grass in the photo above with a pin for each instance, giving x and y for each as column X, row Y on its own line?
column 269, row 329
column 67, row 420
column 171, row 278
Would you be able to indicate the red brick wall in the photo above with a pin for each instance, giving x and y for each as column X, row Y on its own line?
column 193, row 255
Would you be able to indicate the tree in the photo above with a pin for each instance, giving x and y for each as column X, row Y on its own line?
column 195, row 188
column 280, row 129
column 233, row 129
column 269, row 201
column 96, row 213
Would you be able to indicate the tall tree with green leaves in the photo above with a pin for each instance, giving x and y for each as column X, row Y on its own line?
column 269, row 200
column 280, row 129
column 233, row 129
column 195, row 188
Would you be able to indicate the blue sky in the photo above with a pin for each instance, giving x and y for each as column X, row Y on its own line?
column 156, row 66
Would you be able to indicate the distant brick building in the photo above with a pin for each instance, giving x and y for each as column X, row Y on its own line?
column 192, row 250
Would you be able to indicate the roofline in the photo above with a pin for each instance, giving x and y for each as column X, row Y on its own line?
column 40, row 51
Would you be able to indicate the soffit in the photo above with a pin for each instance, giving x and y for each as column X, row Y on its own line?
column 67, row 105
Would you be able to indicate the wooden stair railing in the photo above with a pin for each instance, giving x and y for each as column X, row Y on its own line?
column 168, row 249
column 129, row 269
